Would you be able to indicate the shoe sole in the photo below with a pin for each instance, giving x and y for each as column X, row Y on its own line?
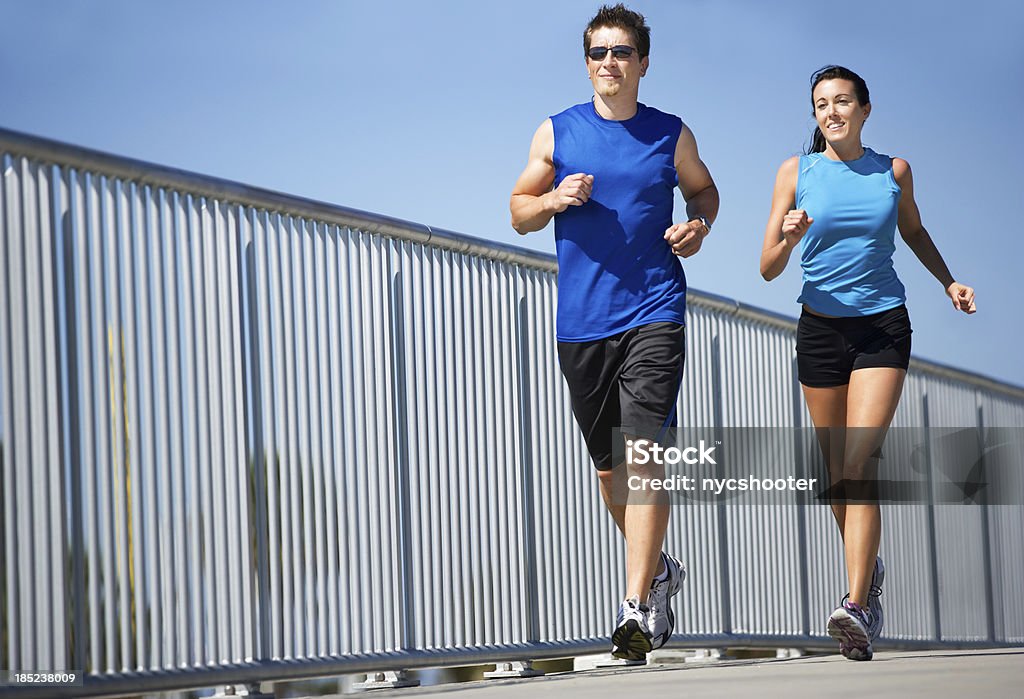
column 853, row 640
column 630, row 642
column 626, row 655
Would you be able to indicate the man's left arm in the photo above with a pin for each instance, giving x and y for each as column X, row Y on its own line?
column 701, row 197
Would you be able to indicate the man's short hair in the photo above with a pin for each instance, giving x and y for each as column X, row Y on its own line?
column 620, row 17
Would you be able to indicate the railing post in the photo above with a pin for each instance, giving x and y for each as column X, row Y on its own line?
column 803, row 502
column 529, row 533
column 725, row 586
column 933, row 548
column 77, row 600
column 986, row 539
column 403, row 469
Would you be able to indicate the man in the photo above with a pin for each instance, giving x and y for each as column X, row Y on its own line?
column 621, row 292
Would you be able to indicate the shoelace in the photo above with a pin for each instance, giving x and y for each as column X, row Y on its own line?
column 873, row 591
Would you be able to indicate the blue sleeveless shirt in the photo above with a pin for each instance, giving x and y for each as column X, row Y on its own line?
column 615, row 270
column 846, row 254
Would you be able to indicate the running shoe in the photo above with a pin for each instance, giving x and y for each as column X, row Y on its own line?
column 661, row 621
column 631, row 639
column 849, row 625
column 874, row 604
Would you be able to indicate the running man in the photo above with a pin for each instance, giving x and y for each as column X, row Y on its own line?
column 606, row 170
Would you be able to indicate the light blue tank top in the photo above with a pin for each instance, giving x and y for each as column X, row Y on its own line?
column 615, row 270
column 846, row 254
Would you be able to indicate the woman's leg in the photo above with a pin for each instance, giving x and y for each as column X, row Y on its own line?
column 872, row 397
column 827, row 407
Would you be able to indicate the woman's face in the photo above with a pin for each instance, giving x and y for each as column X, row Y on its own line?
column 838, row 113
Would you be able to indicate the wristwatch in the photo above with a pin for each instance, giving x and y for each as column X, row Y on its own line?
column 705, row 222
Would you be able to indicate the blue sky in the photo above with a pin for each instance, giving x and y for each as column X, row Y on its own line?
column 424, row 111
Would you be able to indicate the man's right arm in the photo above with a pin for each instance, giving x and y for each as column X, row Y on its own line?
column 533, row 201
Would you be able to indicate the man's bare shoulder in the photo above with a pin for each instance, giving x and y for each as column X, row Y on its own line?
column 686, row 144
column 546, row 130
column 543, row 145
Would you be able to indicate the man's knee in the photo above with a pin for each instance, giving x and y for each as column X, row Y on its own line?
column 614, row 476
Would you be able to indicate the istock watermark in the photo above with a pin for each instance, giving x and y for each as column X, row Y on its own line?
column 808, row 466
column 645, row 451
column 720, row 485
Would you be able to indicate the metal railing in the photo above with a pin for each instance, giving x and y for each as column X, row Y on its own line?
column 246, row 436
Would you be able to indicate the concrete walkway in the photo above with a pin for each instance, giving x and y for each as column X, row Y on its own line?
column 933, row 674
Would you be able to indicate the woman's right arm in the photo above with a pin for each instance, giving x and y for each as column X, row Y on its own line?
column 786, row 226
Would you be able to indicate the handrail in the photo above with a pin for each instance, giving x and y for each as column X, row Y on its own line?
column 145, row 173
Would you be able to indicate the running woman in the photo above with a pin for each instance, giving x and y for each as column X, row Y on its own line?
column 841, row 203
column 606, row 171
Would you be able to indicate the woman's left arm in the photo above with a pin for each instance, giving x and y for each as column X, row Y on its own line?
column 915, row 235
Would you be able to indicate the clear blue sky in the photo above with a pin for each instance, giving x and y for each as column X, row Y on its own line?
column 424, row 111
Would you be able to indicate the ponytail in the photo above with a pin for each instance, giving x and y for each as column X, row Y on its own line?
column 817, row 144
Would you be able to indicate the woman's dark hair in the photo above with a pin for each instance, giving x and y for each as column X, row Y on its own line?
column 860, row 88
column 620, row 17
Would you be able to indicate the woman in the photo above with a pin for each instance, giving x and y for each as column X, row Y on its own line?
column 842, row 203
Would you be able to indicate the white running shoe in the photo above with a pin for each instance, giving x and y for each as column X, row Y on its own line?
column 662, row 621
column 631, row 639
column 849, row 625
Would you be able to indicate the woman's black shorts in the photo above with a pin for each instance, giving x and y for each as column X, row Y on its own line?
column 828, row 350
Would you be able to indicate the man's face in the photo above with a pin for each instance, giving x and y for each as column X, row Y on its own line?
column 612, row 76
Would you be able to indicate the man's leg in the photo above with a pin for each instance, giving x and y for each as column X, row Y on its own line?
column 644, row 514
column 612, row 492
column 612, row 484
column 648, row 391
column 599, row 377
column 646, row 522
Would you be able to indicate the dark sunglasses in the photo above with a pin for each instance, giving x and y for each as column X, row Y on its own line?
column 597, row 53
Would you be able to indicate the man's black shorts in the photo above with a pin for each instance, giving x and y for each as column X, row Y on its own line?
column 628, row 381
column 828, row 350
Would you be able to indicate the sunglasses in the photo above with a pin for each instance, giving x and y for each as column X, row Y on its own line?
column 597, row 53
